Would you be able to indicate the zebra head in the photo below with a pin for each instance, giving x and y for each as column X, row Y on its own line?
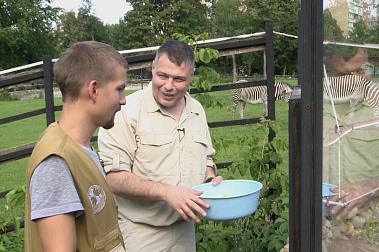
column 283, row 90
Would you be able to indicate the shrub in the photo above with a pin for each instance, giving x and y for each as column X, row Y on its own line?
column 267, row 228
column 14, row 240
column 5, row 95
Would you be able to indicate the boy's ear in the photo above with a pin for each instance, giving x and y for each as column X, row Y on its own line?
column 92, row 89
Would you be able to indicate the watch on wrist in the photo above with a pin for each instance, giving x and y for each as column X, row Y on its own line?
column 209, row 179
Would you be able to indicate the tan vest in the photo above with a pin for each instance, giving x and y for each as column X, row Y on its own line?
column 97, row 228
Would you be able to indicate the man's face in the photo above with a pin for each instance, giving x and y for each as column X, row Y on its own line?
column 170, row 82
column 112, row 97
column 354, row 64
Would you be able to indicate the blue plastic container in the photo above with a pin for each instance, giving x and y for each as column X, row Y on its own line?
column 231, row 199
column 326, row 194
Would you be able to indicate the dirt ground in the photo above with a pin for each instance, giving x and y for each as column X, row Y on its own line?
column 354, row 244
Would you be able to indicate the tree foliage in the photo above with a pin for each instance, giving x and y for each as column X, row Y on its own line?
column 81, row 26
column 153, row 21
column 229, row 18
column 332, row 31
column 26, row 31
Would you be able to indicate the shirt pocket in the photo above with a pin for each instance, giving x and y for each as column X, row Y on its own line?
column 200, row 140
column 198, row 154
column 153, row 150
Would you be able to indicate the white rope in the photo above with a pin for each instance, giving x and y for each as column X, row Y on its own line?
column 374, row 123
column 371, row 46
column 356, row 198
column 285, row 34
column 339, row 168
column 21, row 67
column 329, row 92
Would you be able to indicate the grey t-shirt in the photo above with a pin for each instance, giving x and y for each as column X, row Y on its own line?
column 52, row 188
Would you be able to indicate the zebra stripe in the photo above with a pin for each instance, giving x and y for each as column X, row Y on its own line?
column 257, row 95
column 354, row 89
column 371, row 97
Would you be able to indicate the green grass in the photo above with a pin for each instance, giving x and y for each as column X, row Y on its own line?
column 19, row 133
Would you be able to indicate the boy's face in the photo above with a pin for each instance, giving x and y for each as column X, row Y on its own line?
column 111, row 97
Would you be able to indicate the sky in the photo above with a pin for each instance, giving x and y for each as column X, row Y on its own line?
column 109, row 11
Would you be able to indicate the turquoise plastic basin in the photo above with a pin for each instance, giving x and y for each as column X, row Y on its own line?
column 326, row 194
column 231, row 199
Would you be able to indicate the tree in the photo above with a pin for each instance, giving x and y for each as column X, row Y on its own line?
column 359, row 32
column 93, row 28
column 332, row 31
column 232, row 18
column 69, row 30
column 81, row 27
column 26, row 31
column 151, row 22
column 229, row 18
column 116, row 35
column 285, row 48
column 139, row 25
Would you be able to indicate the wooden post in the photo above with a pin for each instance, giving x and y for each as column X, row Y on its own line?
column 49, row 91
column 235, row 78
column 306, row 203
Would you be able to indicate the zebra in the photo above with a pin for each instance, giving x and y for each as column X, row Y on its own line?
column 258, row 94
column 354, row 89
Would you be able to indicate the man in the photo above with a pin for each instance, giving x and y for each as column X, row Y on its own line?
column 159, row 148
column 69, row 206
column 350, row 155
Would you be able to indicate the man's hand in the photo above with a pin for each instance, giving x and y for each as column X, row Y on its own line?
column 186, row 202
column 217, row 180
column 349, row 198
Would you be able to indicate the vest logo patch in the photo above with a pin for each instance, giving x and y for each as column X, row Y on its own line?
column 97, row 197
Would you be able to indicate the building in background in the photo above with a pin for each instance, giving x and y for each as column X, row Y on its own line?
column 347, row 12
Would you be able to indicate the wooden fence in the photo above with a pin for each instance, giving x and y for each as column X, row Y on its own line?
column 237, row 45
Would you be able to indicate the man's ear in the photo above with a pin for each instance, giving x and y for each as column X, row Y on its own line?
column 93, row 90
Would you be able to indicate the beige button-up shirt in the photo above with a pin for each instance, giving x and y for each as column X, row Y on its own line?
column 149, row 142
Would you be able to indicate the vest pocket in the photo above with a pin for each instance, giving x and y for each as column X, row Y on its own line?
column 110, row 241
